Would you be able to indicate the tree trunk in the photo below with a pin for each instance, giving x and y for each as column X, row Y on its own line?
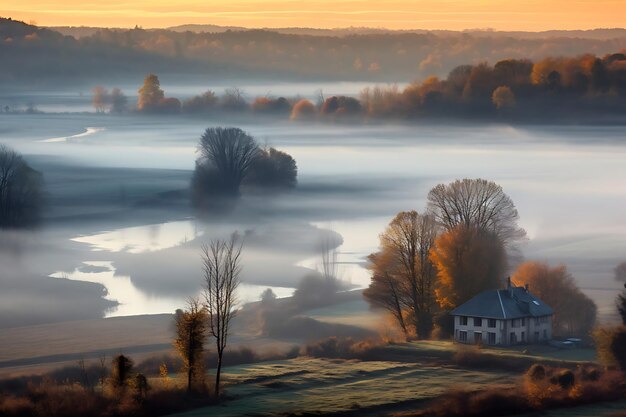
column 218, row 374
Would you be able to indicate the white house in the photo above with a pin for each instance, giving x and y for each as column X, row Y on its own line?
column 503, row 317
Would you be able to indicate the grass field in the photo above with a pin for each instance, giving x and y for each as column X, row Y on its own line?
column 537, row 352
column 610, row 409
column 306, row 385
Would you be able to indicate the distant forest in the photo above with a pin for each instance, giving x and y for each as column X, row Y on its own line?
column 583, row 88
column 38, row 57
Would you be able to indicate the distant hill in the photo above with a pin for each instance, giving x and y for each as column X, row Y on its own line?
column 601, row 34
column 37, row 56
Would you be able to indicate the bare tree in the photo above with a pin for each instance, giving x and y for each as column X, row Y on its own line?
column 403, row 268
column 222, row 266
column 328, row 251
column 20, row 190
column 476, row 203
column 191, row 332
column 233, row 100
column 386, row 290
column 231, row 152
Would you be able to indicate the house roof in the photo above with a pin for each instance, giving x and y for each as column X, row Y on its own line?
column 511, row 303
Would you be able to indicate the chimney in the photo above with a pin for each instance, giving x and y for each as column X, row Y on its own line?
column 508, row 283
column 526, row 286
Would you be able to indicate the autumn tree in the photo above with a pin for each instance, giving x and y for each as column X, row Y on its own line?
column 191, row 332
column 403, row 275
column 503, row 97
column 480, row 222
column 222, row 267
column 21, row 192
column 574, row 312
column 101, row 99
column 270, row 105
column 150, row 94
column 303, row 110
column 468, row 261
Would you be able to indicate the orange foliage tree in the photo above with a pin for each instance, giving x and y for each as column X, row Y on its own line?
column 468, row 260
column 574, row 312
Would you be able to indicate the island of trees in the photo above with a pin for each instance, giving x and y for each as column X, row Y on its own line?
column 231, row 160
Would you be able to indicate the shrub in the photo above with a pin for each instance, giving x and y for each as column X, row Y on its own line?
column 611, row 346
column 536, row 372
column 565, row 379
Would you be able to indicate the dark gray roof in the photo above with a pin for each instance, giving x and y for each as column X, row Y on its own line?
column 511, row 303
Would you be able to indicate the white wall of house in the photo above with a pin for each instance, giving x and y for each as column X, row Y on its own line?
column 526, row 330
column 474, row 330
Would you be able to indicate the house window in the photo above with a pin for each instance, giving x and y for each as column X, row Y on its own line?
column 491, row 338
column 536, row 337
column 515, row 323
column 478, row 321
column 463, row 321
column 478, row 338
column 492, row 323
column 545, row 334
column 523, row 321
column 513, row 339
column 523, row 337
column 462, row 336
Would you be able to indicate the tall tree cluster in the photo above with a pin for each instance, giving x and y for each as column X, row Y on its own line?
column 480, row 224
column 21, row 192
column 231, row 158
column 430, row 263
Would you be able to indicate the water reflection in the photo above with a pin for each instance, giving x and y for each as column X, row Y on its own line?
column 131, row 301
column 143, row 239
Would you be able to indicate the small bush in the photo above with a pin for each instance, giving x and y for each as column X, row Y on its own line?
column 565, row 379
column 536, row 372
column 12, row 406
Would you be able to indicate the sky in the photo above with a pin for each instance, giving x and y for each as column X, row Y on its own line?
column 527, row 15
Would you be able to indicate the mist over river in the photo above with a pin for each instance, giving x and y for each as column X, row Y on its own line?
column 119, row 237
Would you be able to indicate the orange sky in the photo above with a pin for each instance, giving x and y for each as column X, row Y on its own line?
column 531, row 15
